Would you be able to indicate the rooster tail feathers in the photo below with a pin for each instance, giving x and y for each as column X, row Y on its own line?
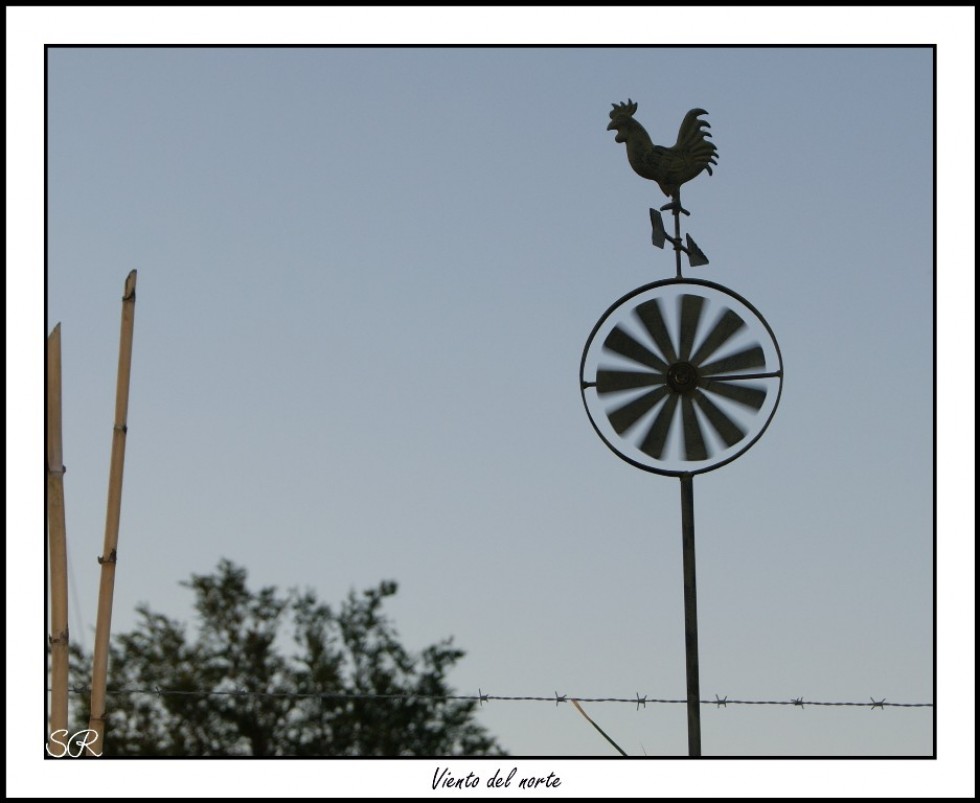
column 693, row 139
column 692, row 131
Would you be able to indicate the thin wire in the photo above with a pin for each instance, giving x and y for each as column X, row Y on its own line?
column 484, row 698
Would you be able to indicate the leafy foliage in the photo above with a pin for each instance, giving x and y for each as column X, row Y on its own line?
column 244, row 696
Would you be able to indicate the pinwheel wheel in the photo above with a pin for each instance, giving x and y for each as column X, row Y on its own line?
column 681, row 376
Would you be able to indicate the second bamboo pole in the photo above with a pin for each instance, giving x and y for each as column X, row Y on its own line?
column 100, row 660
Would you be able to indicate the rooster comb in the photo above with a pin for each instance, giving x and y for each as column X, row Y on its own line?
column 627, row 109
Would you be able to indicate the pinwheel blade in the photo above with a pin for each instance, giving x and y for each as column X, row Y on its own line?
column 749, row 395
column 694, row 448
column 623, row 343
column 656, row 437
column 724, row 329
column 752, row 357
column 622, row 418
column 652, row 317
column 691, row 307
column 609, row 381
column 730, row 432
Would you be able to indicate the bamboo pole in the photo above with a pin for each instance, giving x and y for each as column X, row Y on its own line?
column 100, row 660
column 57, row 545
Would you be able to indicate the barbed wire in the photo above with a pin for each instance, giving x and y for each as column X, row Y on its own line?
column 481, row 698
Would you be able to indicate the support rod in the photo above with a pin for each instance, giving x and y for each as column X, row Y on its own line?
column 690, row 618
column 677, row 209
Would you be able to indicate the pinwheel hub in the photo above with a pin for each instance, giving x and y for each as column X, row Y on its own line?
column 682, row 377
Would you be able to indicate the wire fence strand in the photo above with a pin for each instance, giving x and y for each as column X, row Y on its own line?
column 481, row 698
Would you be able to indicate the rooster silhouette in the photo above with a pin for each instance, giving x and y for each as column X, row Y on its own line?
column 669, row 167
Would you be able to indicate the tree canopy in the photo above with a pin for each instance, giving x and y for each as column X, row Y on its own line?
column 346, row 686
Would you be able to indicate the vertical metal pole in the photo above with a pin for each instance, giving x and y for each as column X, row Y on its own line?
column 677, row 229
column 690, row 618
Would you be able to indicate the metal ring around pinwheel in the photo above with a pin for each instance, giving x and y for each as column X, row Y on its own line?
column 681, row 376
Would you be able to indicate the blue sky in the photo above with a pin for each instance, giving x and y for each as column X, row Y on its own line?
column 366, row 277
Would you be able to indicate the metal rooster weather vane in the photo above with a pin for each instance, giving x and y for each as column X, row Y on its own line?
column 669, row 167
column 681, row 376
